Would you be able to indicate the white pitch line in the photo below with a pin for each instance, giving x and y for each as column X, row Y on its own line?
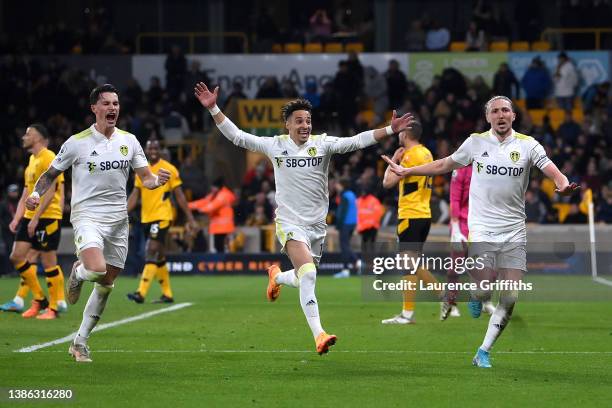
column 104, row 326
column 602, row 280
column 339, row 351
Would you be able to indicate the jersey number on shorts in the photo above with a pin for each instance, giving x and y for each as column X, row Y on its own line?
column 40, row 236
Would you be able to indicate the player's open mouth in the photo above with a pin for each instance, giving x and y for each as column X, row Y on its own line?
column 111, row 116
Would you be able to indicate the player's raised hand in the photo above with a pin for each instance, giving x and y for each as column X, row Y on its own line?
column 403, row 122
column 32, row 202
column 163, row 176
column 396, row 168
column 207, row 99
column 568, row 189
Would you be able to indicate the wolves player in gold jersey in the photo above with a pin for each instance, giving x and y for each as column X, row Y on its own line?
column 414, row 212
column 156, row 216
column 38, row 233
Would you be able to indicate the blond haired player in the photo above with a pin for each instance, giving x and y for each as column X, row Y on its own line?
column 501, row 159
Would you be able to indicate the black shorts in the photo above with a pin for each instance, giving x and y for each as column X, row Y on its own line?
column 46, row 236
column 414, row 230
column 156, row 230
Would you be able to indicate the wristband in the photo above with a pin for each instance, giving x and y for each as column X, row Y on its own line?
column 214, row 110
column 156, row 184
column 389, row 130
column 35, row 194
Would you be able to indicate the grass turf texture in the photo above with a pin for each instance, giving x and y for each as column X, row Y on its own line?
column 188, row 357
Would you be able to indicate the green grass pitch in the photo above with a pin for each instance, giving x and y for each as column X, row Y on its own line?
column 232, row 348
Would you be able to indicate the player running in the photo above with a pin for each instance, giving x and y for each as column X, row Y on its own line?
column 300, row 162
column 100, row 157
column 501, row 159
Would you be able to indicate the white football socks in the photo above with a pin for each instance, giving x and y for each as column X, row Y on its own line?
column 307, row 279
column 92, row 312
column 19, row 301
column 287, row 278
column 497, row 323
column 87, row 275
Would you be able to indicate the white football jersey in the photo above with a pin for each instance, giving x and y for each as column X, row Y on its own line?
column 500, row 177
column 300, row 172
column 100, row 170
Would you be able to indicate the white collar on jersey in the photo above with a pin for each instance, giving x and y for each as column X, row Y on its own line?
column 100, row 135
column 506, row 140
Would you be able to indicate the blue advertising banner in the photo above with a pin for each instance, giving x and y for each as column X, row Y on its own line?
column 593, row 66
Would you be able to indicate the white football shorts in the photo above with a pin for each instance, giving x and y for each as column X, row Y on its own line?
column 312, row 235
column 507, row 250
column 112, row 239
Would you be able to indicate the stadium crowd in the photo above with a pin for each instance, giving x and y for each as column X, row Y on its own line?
column 450, row 109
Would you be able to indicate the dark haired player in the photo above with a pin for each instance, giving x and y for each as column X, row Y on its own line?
column 300, row 162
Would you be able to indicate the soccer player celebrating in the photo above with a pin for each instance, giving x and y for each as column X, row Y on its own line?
column 38, row 232
column 100, row 157
column 413, row 211
column 301, row 162
column 501, row 159
column 156, row 216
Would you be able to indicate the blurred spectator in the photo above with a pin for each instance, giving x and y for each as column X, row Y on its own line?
column 604, row 207
column 415, row 36
column 481, row 89
column 346, row 219
column 475, row 38
column 218, row 206
column 258, row 217
column 575, row 216
column 528, row 16
column 235, row 94
column 355, row 69
column 369, row 213
column 330, row 103
column 266, row 31
column 320, row 26
column 269, row 89
column 194, row 179
column 343, row 17
column 8, row 208
column 569, row 129
column 536, row 83
column 347, row 88
column 566, row 81
column 174, row 126
column 375, row 88
column 176, row 71
column 437, row 37
column 504, row 82
column 595, row 97
column 396, row 85
column 155, row 94
column 535, row 210
column 482, row 14
column 311, row 94
column 288, row 90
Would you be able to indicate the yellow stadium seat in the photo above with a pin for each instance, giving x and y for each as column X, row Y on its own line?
column 333, row 47
column 548, row 187
column 537, row 116
column 355, row 47
column 293, row 48
column 277, row 48
column 457, row 46
column 520, row 104
column 499, row 46
column 313, row 47
column 540, row 46
column 519, row 46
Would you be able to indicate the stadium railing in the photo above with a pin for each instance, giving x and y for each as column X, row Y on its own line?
column 191, row 37
column 549, row 33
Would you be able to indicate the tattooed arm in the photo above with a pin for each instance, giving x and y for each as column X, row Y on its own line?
column 42, row 185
